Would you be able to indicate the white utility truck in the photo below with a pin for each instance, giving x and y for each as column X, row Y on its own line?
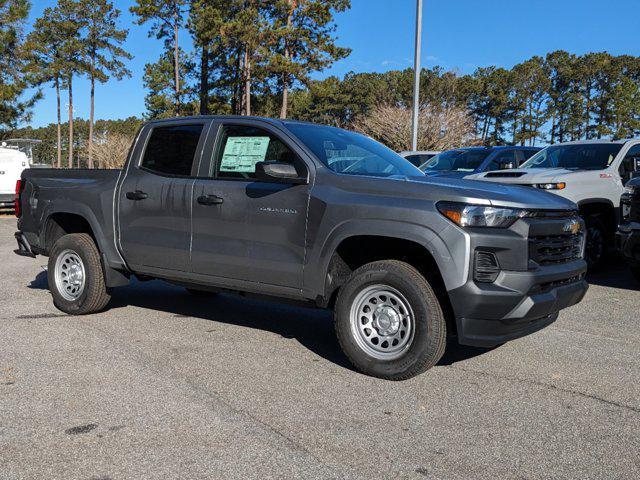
column 12, row 163
column 591, row 173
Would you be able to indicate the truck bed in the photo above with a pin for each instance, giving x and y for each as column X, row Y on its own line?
column 88, row 193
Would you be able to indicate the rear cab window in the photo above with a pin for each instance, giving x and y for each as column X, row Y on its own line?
column 171, row 150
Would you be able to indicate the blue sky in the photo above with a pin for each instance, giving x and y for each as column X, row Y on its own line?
column 459, row 35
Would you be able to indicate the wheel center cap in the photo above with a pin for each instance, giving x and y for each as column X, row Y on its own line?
column 75, row 274
column 386, row 320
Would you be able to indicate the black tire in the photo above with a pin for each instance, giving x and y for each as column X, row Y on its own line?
column 635, row 270
column 201, row 293
column 429, row 333
column 94, row 297
column 596, row 248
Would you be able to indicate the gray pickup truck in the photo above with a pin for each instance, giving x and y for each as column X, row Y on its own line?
column 314, row 214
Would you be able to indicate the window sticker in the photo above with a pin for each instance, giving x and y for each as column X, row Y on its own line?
column 242, row 153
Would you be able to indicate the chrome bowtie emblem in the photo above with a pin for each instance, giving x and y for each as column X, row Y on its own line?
column 572, row 226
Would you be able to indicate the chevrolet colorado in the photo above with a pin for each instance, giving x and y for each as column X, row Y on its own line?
column 590, row 173
column 314, row 214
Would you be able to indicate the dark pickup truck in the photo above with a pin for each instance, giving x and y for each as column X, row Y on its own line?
column 313, row 214
column 628, row 235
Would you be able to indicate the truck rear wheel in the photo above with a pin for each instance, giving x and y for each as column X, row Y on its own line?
column 635, row 270
column 596, row 247
column 75, row 275
column 389, row 321
column 201, row 293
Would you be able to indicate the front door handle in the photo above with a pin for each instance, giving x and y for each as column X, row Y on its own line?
column 210, row 200
column 137, row 195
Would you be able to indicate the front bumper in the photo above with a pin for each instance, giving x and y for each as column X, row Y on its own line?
column 517, row 303
column 628, row 241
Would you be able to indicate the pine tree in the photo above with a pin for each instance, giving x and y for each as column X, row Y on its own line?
column 65, row 18
column 303, row 33
column 159, row 81
column 14, row 107
column 45, row 63
column 102, row 44
column 166, row 18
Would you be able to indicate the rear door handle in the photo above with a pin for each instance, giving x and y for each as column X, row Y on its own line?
column 137, row 195
column 210, row 200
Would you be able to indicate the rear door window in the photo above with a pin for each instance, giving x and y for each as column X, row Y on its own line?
column 171, row 150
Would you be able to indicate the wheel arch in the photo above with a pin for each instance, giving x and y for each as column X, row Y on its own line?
column 356, row 249
column 66, row 221
column 602, row 207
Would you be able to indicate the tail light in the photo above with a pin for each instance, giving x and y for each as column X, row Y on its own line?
column 16, row 203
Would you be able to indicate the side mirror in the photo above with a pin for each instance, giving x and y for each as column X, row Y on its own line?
column 276, row 172
column 507, row 165
column 628, row 167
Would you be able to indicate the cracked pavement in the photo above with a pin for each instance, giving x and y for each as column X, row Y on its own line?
column 165, row 385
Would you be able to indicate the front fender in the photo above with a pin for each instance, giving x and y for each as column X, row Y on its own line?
column 448, row 245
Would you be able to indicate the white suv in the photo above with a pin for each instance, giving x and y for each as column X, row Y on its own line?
column 591, row 173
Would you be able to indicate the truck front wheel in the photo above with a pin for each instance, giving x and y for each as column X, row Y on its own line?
column 75, row 275
column 389, row 321
column 596, row 247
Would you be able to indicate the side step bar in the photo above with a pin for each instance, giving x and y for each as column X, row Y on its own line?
column 24, row 248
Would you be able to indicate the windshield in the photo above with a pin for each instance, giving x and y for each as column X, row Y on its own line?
column 587, row 156
column 457, row 160
column 351, row 153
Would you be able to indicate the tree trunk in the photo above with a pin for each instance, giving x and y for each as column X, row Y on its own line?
column 59, row 125
column 247, row 82
column 236, row 102
column 287, row 55
column 204, row 81
column 70, row 146
column 176, row 63
column 91, row 115
column 588, row 113
column 285, row 98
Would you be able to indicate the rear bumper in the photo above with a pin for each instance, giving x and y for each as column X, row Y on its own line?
column 517, row 303
column 628, row 241
column 7, row 199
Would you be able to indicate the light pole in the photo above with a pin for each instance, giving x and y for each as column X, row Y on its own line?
column 416, row 76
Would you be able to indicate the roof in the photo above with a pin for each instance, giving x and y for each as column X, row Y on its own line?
column 273, row 121
column 419, row 152
column 598, row 141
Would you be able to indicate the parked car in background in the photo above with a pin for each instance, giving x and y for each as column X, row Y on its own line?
column 417, row 158
column 465, row 161
column 259, row 206
column 12, row 163
column 628, row 236
column 590, row 173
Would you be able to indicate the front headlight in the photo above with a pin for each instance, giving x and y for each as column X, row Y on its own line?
column 629, row 190
column 551, row 186
column 465, row 215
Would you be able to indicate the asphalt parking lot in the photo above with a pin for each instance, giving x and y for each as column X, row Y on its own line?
column 164, row 385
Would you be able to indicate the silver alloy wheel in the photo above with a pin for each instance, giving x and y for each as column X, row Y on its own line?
column 69, row 275
column 382, row 322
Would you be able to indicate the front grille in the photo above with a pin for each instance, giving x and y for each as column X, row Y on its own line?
column 555, row 249
column 547, row 286
column 505, row 174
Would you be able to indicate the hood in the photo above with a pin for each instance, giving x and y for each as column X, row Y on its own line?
column 452, row 189
column 522, row 175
